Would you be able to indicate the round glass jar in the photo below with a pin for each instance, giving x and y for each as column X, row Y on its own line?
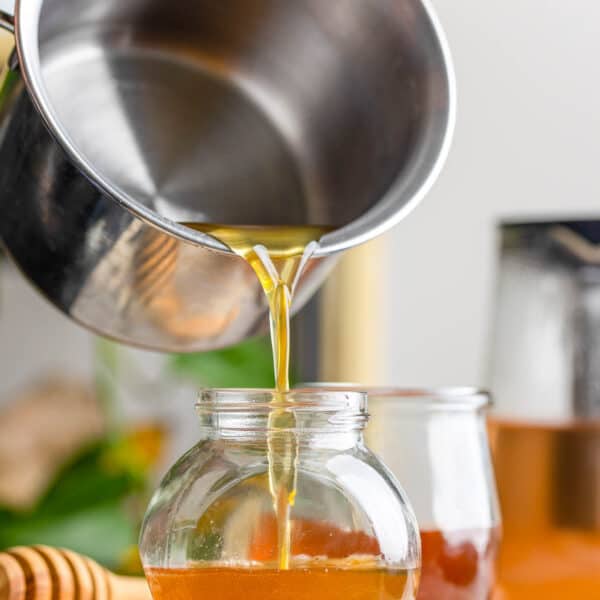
column 281, row 498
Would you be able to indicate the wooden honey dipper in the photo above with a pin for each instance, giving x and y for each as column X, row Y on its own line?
column 44, row 573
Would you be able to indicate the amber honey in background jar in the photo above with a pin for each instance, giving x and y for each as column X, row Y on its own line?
column 548, row 478
column 212, row 527
column 545, row 428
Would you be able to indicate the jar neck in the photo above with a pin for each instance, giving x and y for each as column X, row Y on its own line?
column 307, row 442
column 313, row 418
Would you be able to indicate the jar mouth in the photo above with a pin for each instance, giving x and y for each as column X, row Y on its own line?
column 313, row 409
column 422, row 398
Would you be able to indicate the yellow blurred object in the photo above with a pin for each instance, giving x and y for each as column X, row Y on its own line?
column 140, row 448
column 148, row 442
column 131, row 563
column 354, row 312
column 7, row 43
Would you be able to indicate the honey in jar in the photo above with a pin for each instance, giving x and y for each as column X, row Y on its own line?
column 212, row 528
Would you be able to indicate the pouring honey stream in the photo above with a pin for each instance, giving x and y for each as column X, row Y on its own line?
column 277, row 254
column 280, row 550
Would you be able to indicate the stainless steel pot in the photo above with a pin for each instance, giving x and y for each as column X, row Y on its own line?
column 120, row 120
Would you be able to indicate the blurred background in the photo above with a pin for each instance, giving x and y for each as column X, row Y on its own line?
column 412, row 308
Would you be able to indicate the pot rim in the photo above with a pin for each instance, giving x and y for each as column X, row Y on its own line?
column 374, row 222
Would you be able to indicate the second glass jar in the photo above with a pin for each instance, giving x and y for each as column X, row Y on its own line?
column 435, row 442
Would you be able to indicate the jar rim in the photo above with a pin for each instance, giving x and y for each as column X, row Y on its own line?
column 317, row 398
column 434, row 398
column 314, row 408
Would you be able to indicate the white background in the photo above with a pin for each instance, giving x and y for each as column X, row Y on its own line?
column 527, row 144
column 7, row 5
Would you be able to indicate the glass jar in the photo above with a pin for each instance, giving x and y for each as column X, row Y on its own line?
column 545, row 429
column 281, row 499
column 435, row 442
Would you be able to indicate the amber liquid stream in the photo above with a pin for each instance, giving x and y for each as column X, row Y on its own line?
column 277, row 254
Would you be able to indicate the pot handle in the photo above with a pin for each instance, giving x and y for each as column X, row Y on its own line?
column 7, row 19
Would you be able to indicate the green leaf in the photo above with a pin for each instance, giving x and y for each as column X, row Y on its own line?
column 103, row 532
column 89, row 480
column 9, row 81
column 248, row 365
